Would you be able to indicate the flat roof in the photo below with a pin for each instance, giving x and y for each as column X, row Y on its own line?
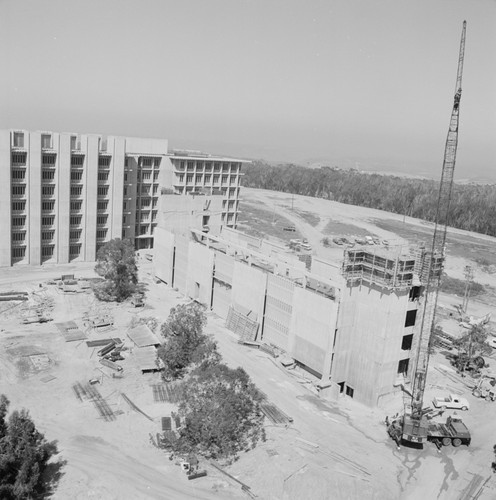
column 142, row 336
column 205, row 158
column 147, row 360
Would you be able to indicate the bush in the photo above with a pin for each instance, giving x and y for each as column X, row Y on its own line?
column 24, row 455
column 117, row 264
column 221, row 411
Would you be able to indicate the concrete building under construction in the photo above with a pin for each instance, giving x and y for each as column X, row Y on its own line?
column 353, row 323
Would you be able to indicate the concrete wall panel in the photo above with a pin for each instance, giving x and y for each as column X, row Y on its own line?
column 181, row 264
column 163, row 255
column 248, row 290
column 200, row 269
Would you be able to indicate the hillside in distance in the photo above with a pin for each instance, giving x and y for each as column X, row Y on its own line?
column 473, row 206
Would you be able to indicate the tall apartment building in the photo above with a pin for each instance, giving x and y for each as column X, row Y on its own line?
column 63, row 195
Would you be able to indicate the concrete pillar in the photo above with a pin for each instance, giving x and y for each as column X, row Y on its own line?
column 63, row 197
column 116, row 187
column 5, row 199
column 91, row 197
column 34, row 197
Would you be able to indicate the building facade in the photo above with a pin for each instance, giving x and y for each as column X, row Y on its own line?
column 63, row 195
column 354, row 324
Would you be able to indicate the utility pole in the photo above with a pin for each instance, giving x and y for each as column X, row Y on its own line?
column 469, row 278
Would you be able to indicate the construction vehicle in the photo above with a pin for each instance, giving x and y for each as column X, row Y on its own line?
column 414, row 426
column 485, row 388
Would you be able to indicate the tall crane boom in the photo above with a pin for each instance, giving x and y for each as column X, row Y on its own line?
column 433, row 263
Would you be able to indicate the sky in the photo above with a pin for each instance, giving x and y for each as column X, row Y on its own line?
column 349, row 83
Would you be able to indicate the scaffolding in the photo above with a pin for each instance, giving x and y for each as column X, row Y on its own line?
column 385, row 268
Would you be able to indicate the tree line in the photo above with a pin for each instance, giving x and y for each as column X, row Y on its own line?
column 473, row 206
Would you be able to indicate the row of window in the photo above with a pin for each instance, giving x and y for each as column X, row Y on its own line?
column 147, row 161
column 200, row 165
column 19, row 205
column 18, row 174
column 48, row 206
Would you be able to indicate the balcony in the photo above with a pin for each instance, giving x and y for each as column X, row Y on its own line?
column 17, row 181
column 102, row 210
column 19, row 196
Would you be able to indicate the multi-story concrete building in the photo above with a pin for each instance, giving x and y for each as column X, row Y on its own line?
column 63, row 195
column 353, row 323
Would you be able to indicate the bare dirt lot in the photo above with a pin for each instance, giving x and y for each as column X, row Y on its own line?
column 331, row 450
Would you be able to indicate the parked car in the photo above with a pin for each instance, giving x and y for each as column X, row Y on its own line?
column 451, row 401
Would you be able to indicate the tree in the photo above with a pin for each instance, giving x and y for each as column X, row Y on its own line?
column 185, row 344
column 221, row 411
column 117, row 264
column 473, row 343
column 24, row 455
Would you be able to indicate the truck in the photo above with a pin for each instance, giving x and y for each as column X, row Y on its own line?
column 485, row 388
column 453, row 432
column 419, row 431
column 451, row 401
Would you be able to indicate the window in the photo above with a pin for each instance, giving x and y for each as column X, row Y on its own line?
column 126, row 162
column 208, row 166
column 154, row 216
column 191, row 166
column 155, row 176
column 182, row 164
column 124, row 205
column 181, row 177
column 104, row 161
column 47, row 235
column 76, row 175
column 154, row 204
column 103, row 190
column 350, row 391
column 233, row 179
column 75, row 235
column 406, row 343
column 18, row 174
column 231, row 204
column 146, row 175
column 48, row 190
column 199, row 165
column 48, row 206
column 225, row 167
column 18, row 252
column 76, row 190
column 47, row 251
column 48, row 221
column 75, row 220
column 232, row 192
column 74, row 250
column 102, row 219
column 18, row 236
column 145, row 191
column 198, row 178
column 48, row 175
column 189, row 178
column 48, row 160
column 229, row 218
column 216, row 179
column 74, row 142
column 144, row 216
column 410, row 317
column 206, row 219
column 216, row 167
column 18, row 159
column 224, row 178
column 18, row 139
column 76, row 205
column 123, row 234
column 125, row 190
column 414, row 293
column 143, row 230
column 19, row 190
column 124, row 218
column 46, row 141
column 155, row 189
column 103, row 176
column 145, row 203
column 125, row 177
column 102, row 205
column 101, row 233
column 77, row 161
column 18, row 206
column 208, row 177
column 147, row 162
column 403, row 367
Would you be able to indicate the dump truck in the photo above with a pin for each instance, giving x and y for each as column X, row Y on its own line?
column 453, row 431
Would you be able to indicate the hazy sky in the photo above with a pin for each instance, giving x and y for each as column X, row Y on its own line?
column 365, row 82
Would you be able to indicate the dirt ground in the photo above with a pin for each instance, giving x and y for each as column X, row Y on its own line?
column 331, row 450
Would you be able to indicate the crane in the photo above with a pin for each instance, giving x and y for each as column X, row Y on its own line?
column 415, row 427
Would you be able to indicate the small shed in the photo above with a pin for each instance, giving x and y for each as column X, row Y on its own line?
column 142, row 336
column 146, row 358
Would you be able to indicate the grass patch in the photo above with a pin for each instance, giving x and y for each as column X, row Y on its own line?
column 309, row 217
column 335, row 228
column 261, row 223
column 455, row 286
column 458, row 245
